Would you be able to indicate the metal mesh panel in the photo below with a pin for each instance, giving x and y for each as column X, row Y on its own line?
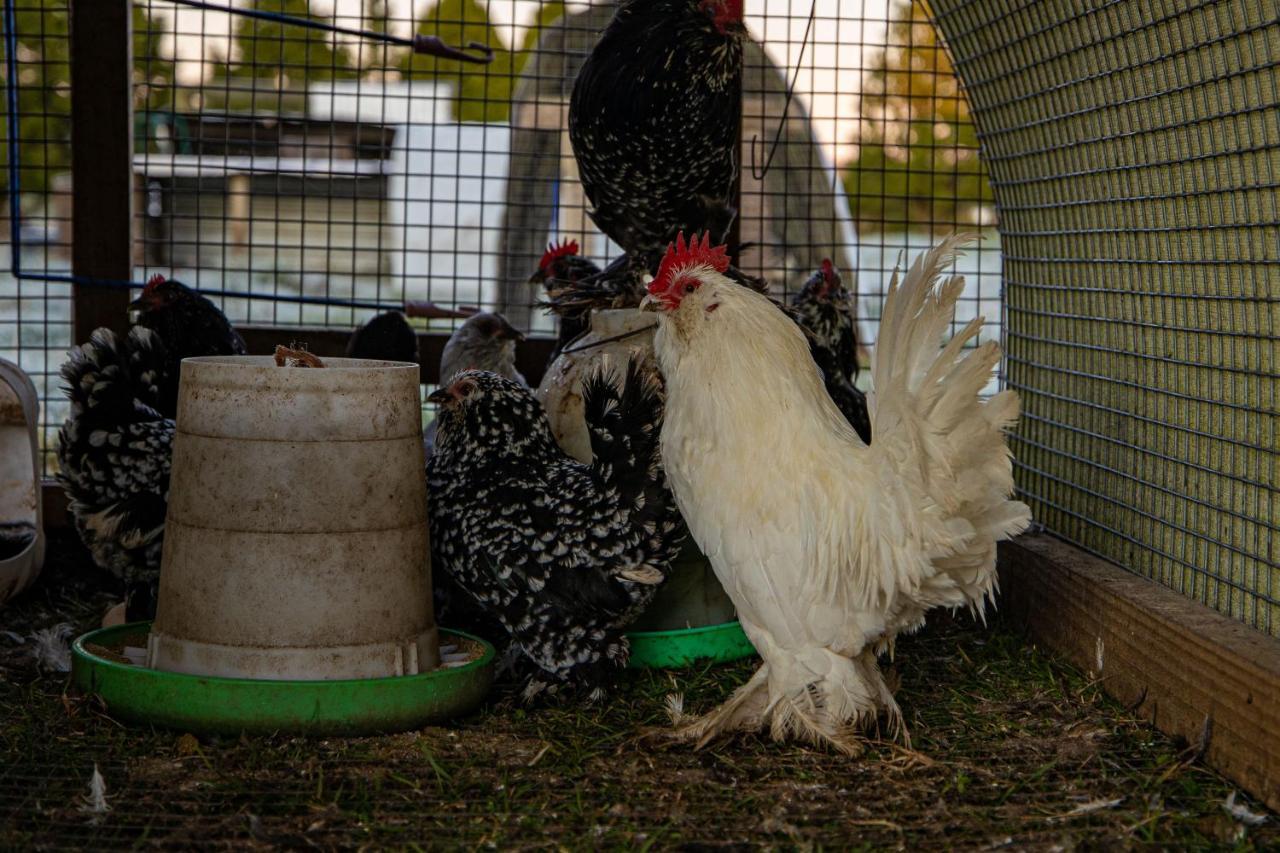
column 35, row 313
column 1134, row 150
column 305, row 176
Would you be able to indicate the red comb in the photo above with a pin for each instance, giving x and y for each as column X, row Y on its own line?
column 154, row 280
column 679, row 257
column 569, row 247
column 828, row 268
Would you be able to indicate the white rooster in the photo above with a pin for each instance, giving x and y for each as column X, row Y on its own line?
column 829, row 547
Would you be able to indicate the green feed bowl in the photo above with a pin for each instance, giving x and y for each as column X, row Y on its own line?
column 681, row 647
column 207, row 704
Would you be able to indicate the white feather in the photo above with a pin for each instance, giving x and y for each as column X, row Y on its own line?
column 95, row 802
column 833, row 548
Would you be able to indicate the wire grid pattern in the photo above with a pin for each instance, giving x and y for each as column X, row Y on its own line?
column 1135, row 152
column 35, row 314
column 325, row 176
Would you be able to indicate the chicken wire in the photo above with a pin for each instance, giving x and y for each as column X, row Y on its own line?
column 1134, row 150
column 324, row 175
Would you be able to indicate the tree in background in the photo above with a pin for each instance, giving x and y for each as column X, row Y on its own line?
column 375, row 17
column 44, row 87
column 285, row 54
column 44, row 95
column 917, row 160
column 480, row 92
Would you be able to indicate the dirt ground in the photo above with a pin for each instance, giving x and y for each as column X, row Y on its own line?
column 1012, row 750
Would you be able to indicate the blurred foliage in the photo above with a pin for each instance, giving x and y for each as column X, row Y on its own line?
column 917, row 158
column 44, row 94
column 481, row 92
column 267, row 70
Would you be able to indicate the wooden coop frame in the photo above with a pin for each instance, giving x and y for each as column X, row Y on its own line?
column 1190, row 670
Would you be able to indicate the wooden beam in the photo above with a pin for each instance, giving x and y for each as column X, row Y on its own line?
column 1190, row 670
column 101, row 162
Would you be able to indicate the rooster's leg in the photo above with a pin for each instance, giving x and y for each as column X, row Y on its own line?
column 743, row 711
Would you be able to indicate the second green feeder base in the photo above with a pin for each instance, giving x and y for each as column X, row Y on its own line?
column 684, row 646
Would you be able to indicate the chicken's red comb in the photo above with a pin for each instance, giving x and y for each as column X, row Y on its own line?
column 828, row 269
column 569, row 247
column 156, row 279
column 679, row 257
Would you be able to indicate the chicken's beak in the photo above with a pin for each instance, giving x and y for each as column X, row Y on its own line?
column 440, row 396
column 509, row 332
column 650, row 303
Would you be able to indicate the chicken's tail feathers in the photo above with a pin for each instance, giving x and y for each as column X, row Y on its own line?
column 111, row 384
column 623, row 416
column 624, row 422
column 934, row 430
column 107, row 376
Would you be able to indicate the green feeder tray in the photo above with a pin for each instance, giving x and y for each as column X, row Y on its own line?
column 199, row 703
column 681, row 647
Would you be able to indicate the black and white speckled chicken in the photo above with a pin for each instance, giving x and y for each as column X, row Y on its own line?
column 653, row 121
column 824, row 309
column 563, row 274
column 563, row 554
column 115, row 447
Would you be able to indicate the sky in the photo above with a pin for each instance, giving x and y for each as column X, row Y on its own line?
column 827, row 79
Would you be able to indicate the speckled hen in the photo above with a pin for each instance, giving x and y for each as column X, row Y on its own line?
column 824, row 309
column 563, row 554
column 115, row 447
column 654, row 118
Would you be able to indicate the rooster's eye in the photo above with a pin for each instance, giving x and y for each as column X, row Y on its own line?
column 690, row 287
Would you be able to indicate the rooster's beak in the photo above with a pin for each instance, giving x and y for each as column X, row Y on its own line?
column 650, row 303
column 440, row 396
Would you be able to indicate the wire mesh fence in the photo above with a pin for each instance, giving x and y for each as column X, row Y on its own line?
column 321, row 174
column 1134, row 151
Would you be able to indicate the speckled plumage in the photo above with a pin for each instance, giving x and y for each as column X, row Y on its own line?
column 653, row 121
column 825, row 310
column 115, row 447
column 114, row 451
column 563, row 554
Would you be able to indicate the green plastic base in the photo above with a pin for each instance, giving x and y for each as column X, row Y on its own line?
column 232, row 705
column 673, row 649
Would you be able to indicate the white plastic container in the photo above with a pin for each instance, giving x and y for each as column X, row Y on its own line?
column 296, row 536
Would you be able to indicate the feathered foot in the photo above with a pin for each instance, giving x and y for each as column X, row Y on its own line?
column 743, row 711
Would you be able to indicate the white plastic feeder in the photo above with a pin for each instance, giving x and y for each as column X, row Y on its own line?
column 295, row 544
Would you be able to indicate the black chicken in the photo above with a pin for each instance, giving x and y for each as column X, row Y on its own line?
column 824, row 309
column 654, row 119
column 188, row 325
column 386, row 337
column 115, row 447
column 563, row 273
column 563, row 554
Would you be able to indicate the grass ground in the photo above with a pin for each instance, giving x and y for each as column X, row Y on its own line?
column 1012, row 749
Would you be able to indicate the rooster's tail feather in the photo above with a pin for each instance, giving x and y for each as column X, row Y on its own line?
column 927, row 409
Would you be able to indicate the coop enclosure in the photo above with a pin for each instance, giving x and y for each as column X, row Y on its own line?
column 287, row 160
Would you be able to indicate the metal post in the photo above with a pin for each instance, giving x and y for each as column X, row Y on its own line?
column 101, row 161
